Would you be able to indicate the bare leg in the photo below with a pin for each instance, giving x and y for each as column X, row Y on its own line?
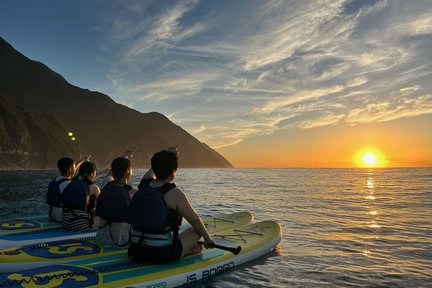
column 189, row 239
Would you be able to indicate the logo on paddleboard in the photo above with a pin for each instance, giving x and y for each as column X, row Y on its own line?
column 19, row 224
column 64, row 250
column 53, row 276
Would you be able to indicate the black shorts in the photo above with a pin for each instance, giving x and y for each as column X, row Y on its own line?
column 155, row 254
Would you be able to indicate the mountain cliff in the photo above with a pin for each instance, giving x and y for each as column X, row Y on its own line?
column 39, row 107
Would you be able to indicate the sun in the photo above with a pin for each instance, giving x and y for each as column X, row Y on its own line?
column 370, row 157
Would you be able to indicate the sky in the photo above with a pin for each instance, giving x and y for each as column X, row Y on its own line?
column 265, row 83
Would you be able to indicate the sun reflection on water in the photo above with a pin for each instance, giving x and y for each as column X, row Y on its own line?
column 372, row 212
column 372, row 224
column 370, row 183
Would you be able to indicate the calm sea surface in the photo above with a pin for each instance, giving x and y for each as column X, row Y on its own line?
column 341, row 227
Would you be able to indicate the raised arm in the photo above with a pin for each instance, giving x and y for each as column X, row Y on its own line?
column 82, row 160
column 150, row 174
column 129, row 153
column 126, row 154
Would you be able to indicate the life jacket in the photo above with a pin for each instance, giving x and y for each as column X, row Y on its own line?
column 113, row 202
column 54, row 194
column 74, row 196
column 149, row 213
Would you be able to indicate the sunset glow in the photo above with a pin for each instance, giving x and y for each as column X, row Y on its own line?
column 249, row 80
column 370, row 157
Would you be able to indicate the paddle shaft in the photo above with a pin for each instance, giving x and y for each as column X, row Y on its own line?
column 234, row 250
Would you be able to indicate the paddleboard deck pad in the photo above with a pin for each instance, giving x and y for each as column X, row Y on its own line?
column 42, row 235
column 117, row 271
column 24, row 224
column 63, row 251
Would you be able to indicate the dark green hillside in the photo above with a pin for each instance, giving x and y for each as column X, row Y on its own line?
column 20, row 129
column 103, row 127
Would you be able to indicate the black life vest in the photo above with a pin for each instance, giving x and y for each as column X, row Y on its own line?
column 54, row 194
column 113, row 202
column 74, row 196
column 149, row 213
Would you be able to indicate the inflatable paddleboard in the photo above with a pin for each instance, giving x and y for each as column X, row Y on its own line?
column 24, row 224
column 63, row 251
column 117, row 271
column 43, row 235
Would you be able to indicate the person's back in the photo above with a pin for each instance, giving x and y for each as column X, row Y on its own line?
column 155, row 215
column 155, row 230
column 77, row 199
column 113, row 204
column 56, row 187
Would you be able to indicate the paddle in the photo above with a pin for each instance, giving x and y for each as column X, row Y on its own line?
column 234, row 250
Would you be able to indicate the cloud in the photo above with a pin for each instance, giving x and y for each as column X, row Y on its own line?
column 387, row 111
column 283, row 32
column 322, row 121
column 167, row 87
column 220, row 136
column 229, row 72
column 307, row 95
column 277, row 104
column 165, row 31
column 334, row 71
column 421, row 25
column 409, row 90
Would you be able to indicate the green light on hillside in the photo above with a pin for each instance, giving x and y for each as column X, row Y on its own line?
column 73, row 138
column 70, row 134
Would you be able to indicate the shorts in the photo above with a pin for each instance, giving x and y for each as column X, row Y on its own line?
column 76, row 220
column 155, row 254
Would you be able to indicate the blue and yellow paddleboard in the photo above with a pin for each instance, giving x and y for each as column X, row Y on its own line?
column 63, row 251
column 42, row 235
column 25, row 224
column 117, row 271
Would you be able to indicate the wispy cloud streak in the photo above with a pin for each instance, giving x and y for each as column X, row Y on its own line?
column 227, row 71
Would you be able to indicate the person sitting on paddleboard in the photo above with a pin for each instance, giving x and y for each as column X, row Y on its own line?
column 107, row 175
column 113, row 204
column 156, row 211
column 79, row 199
column 67, row 168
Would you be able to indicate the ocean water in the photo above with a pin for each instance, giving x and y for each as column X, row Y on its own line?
column 341, row 227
